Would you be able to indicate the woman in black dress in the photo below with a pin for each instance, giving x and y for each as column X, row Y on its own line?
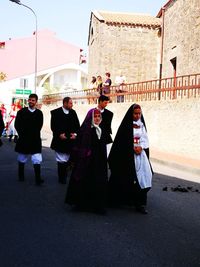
column 88, row 182
column 131, row 172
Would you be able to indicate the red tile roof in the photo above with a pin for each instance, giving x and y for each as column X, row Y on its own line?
column 127, row 18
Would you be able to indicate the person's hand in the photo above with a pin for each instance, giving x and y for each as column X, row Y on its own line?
column 138, row 150
column 73, row 135
column 63, row 136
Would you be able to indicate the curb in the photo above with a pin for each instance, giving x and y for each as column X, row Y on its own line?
column 176, row 165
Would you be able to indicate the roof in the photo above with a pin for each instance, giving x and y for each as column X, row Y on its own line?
column 122, row 18
column 17, row 57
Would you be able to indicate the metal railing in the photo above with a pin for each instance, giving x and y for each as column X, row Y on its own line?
column 180, row 87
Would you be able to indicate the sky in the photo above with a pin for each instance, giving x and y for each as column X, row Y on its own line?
column 69, row 19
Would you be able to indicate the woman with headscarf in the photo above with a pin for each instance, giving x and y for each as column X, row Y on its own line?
column 131, row 172
column 88, row 182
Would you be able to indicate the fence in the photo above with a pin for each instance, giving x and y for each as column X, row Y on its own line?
column 179, row 87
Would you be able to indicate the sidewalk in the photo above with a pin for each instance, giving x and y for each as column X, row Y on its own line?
column 175, row 165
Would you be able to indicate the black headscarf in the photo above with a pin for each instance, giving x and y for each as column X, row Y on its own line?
column 89, row 175
column 82, row 151
column 121, row 157
column 82, row 147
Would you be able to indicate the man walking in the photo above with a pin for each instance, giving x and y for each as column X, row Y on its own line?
column 107, row 117
column 28, row 123
column 64, row 125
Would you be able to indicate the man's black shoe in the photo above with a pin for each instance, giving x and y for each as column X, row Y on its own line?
column 142, row 209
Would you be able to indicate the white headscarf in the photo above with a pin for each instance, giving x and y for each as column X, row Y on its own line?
column 98, row 129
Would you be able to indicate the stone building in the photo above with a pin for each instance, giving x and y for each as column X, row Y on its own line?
column 180, row 37
column 124, row 43
column 142, row 47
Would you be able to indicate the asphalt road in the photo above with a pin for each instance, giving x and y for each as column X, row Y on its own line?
column 38, row 229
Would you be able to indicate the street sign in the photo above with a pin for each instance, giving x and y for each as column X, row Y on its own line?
column 22, row 91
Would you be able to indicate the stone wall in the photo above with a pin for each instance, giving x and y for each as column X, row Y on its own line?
column 173, row 126
column 135, row 51
column 181, row 37
column 128, row 50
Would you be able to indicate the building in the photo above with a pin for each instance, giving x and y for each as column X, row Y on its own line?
column 180, row 37
column 58, row 66
column 125, row 44
column 143, row 47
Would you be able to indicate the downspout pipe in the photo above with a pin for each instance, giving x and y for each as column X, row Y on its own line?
column 161, row 49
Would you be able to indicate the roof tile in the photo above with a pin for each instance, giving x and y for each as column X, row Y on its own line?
column 127, row 18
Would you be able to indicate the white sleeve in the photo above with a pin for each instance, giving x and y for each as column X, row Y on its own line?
column 144, row 141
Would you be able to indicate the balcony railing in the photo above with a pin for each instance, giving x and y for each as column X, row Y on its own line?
column 180, row 87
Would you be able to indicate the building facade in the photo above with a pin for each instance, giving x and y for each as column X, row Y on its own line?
column 58, row 67
column 124, row 44
column 141, row 47
column 181, row 35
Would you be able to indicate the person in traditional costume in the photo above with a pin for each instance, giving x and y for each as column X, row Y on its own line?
column 28, row 123
column 4, row 116
column 64, row 125
column 87, row 188
column 106, row 122
column 2, row 126
column 131, row 172
column 11, row 121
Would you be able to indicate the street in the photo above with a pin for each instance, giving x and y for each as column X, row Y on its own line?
column 38, row 229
